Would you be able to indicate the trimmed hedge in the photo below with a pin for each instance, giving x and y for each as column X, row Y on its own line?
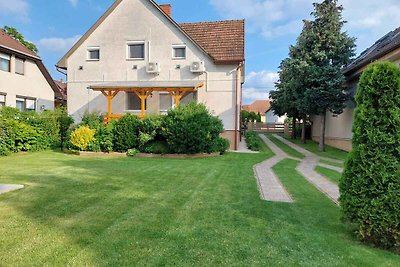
column 370, row 185
column 31, row 131
column 190, row 129
column 252, row 141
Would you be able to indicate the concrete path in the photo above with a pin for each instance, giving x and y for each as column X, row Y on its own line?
column 242, row 148
column 271, row 189
column 307, row 169
column 334, row 168
column 4, row 188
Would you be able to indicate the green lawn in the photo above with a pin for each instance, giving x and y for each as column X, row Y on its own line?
column 312, row 146
column 287, row 149
column 332, row 175
column 337, row 164
column 156, row 212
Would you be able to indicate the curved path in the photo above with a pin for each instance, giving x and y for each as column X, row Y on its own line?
column 307, row 169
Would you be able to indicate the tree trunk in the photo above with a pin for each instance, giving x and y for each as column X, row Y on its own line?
column 294, row 129
column 303, row 130
column 322, row 133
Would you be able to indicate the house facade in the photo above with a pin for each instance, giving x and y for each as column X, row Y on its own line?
column 137, row 59
column 339, row 127
column 25, row 83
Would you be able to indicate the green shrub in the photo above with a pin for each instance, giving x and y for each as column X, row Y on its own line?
column 7, row 138
column 132, row 152
column 191, row 129
column 370, row 185
column 126, row 133
column 149, row 130
column 103, row 139
column 252, row 140
column 82, row 137
column 221, row 145
column 156, row 147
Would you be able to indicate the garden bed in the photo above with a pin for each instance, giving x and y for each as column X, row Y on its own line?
column 141, row 155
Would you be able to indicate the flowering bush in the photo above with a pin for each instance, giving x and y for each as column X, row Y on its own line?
column 82, row 137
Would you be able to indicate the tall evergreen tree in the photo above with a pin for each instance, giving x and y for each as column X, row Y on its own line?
column 327, row 49
column 14, row 33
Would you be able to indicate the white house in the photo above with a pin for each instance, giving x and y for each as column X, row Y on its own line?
column 137, row 59
column 25, row 83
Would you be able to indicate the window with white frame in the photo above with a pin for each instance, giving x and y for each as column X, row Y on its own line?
column 5, row 60
column 25, row 103
column 19, row 66
column 93, row 54
column 133, row 102
column 136, row 50
column 166, row 102
column 2, row 100
column 179, row 51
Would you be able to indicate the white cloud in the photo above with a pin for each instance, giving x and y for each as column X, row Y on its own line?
column 74, row 3
column 258, row 85
column 367, row 20
column 15, row 8
column 54, row 44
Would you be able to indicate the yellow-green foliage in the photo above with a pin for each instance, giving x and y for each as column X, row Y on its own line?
column 82, row 137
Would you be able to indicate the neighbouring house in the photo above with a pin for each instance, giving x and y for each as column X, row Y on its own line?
column 61, row 94
column 137, row 59
column 25, row 83
column 264, row 108
column 339, row 127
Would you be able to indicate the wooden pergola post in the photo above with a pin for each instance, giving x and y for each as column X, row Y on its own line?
column 177, row 95
column 143, row 94
column 110, row 96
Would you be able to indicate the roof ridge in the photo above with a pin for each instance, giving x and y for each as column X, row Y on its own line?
column 213, row 21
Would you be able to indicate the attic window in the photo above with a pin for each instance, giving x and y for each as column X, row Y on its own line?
column 136, row 50
column 179, row 52
column 93, row 54
column 19, row 66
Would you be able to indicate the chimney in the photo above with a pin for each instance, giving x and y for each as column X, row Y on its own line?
column 167, row 9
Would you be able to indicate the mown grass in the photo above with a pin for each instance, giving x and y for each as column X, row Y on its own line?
column 332, row 175
column 287, row 149
column 164, row 212
column 337, row 164
column 312, row 146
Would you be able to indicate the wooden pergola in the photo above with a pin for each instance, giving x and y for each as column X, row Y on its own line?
column 143, row 90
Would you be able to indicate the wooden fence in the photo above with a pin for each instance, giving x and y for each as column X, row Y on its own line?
column 269, row 127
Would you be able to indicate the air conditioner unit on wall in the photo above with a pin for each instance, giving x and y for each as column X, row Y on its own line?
column 153, row 67
column 197, row 67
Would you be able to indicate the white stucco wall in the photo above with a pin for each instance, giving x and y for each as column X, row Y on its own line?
column 140, row 21
column 32, row 84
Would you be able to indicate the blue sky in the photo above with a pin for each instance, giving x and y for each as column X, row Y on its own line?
column 271, row 26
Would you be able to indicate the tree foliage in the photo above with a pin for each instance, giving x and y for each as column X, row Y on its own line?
column 370, row 186
column 14, row 33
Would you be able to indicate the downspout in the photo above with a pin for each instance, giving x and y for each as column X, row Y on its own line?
column 236, row 105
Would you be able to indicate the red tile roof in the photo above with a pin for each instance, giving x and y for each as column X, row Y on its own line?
column 222, row 40
column 10, row 43
column 62, row 88
column 258, row 106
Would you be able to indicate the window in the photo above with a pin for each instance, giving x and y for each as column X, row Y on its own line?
column 25, row 103
column 19, row 66
column 165, row 102
column 136, row 50
column 134, row 103
column 189, row 98
column 93, row 54
column 179, row 52
column 5, row 62
column 2, row 100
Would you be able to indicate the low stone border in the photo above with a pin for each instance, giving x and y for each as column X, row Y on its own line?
column 5, row 188
column 141, row 155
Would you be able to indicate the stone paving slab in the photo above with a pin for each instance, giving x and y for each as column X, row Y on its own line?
column 4, row 188
column 334, row 168
column 307, row 169
column 271, row 189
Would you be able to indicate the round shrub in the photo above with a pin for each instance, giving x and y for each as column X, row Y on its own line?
column 126, row 133
column 370, row 185
column 82, row 137
column 191, row 129
column 221, row 145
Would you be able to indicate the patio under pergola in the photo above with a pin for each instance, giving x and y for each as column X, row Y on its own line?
column 144, row 89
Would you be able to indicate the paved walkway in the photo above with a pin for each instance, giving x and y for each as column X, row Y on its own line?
column 307, row 169
column 271, row 189
column 242, row 148
column 4, row 188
